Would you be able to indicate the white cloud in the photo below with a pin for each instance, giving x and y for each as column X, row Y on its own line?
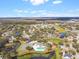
column 26, row 11
column 38, row 2
column 25, row 0
column 33, row 12
column 62, row 15
column 52, row 14
column 18, row 10
column 77, row 9
column 57, row 2
column 73, row 11
column 21, row 11
column 37, row 11
column 45, row 13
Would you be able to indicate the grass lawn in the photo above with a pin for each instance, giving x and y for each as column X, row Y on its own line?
column 24, row 57
column 28, row 56
column 57, row 50
column 55, row 40
column 53, row 57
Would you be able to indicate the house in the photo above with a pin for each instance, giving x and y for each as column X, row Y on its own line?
column 77, row 56
column 32, row 43
column 12, row 38
column 77, row 37
column 26, row 36
column 1, row 57
column 5, row 34
column 78, row 41
column 70, row 38
column 67, row 56
column 3, row 42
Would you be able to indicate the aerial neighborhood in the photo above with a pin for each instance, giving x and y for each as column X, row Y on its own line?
column 41, row 40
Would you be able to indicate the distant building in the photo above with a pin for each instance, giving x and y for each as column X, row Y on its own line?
column 26, row 36
column 77, row 56
column 1, row 57
column 67, row 56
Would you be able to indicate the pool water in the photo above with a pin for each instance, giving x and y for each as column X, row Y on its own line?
column 40, row 49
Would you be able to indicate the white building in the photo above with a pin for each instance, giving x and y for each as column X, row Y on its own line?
column 77, row 56
column 25, row 35
column 77, row 37
column 67, row 56
column 12, row 39
column 1, row 57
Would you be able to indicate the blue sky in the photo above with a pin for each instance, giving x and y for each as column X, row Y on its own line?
column 39, row 8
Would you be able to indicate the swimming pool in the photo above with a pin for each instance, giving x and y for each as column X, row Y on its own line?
column 40, row 49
